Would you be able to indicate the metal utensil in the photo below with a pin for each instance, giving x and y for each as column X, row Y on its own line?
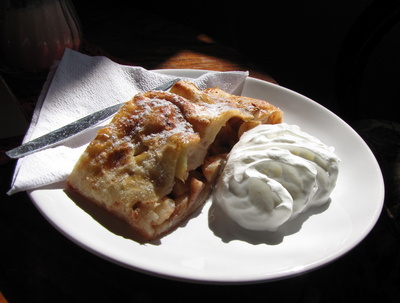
column 59, row 135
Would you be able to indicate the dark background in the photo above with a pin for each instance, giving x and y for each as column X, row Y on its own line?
column 311, row 46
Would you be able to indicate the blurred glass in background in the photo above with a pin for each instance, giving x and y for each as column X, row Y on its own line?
column 34, row 33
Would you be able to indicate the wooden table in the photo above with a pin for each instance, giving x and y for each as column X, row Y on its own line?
column 38, row 264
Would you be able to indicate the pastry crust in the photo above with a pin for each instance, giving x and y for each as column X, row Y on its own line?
column 157, row 160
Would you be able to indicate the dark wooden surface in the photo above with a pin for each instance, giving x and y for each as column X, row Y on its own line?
column 38, row 264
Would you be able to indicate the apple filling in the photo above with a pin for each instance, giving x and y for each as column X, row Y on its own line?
column 158, row 159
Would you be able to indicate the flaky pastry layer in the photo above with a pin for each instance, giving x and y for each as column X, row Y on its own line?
column 158, row 159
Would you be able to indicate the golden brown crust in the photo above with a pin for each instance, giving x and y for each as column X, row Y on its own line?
column 157, row 160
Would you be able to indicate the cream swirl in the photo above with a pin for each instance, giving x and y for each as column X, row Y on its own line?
column 274, row 173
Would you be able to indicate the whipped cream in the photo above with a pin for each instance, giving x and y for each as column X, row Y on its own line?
column 274, row 173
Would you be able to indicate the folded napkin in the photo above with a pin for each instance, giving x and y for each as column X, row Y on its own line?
column 80, row 85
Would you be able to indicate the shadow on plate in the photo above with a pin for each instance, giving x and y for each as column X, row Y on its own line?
column 228, row 230
column 107, row 220
column 114, row 224
column 218, row 222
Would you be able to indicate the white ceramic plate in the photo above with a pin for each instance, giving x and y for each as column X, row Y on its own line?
column 204, row 252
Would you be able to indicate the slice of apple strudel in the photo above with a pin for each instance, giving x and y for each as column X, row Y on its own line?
column 158, row 159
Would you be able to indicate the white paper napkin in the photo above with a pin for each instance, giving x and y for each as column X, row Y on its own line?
column 77, row 86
